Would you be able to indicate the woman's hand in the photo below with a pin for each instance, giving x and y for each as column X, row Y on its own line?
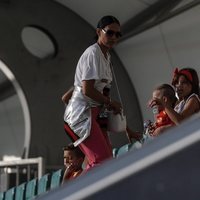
column 133, row 134
column 90, row 91
column 115, row 106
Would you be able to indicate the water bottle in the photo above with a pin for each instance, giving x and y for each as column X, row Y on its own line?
column 146, row 125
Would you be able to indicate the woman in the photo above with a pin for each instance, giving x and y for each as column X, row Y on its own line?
column 92, row 75
column 186, row 83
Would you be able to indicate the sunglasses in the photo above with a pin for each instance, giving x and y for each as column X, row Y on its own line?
column 110, row 33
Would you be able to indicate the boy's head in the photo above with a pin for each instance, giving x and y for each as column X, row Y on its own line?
column 165, row 92
column 73, row 156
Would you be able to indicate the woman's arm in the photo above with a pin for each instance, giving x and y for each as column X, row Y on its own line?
column 90, row 91
column 133, row 134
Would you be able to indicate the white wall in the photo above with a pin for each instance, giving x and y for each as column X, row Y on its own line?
column 151, row 56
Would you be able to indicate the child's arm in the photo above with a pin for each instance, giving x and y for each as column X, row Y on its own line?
column 66, row 97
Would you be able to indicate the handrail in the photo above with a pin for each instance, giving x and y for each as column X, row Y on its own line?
column 29, row 161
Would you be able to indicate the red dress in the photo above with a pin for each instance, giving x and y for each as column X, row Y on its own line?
column 162, row 119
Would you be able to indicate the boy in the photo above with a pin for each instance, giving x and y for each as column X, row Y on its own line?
column 73, row 160
column 162, row 121
column 166, row 93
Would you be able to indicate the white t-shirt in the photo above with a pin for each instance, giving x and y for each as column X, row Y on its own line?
column 93, row 65
column 180, row 106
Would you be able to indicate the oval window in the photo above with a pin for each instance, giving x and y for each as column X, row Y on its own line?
column 38, row 42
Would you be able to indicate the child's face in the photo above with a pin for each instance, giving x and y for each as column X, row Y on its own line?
column 71, row 159
column 183, row 87
column 157, row 94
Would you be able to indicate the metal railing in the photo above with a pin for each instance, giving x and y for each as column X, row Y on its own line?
column 25, row 166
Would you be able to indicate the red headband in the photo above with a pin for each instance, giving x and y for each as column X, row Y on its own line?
column 184, row 72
